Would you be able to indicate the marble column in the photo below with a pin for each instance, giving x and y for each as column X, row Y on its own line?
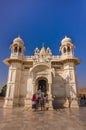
column 9, row 97
column 50, row 97
column 28, row 102
column 33, row 88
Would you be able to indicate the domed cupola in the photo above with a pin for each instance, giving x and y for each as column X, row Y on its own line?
column 18, row 40
column 36, row 51
column 66, row 41
column 48, row 52
column 67, row 47
column 17, row 47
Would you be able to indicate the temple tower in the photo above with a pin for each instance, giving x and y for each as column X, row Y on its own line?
column 14, row 75
column 69, row 67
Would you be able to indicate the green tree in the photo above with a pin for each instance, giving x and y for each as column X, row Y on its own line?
column 3, row 90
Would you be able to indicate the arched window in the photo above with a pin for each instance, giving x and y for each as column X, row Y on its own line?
column 68, row 49
column 64, row 50
column 15, row 50
column 20, row 50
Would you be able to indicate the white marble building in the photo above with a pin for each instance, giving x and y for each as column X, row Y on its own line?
column 27, row 73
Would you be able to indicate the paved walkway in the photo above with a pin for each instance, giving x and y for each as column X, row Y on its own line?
column 62, row 119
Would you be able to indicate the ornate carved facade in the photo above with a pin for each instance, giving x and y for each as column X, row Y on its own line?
column 27, row 73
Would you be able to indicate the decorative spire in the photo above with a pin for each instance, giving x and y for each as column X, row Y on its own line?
column 65, row 36
column 18, row 36
column 43, row 44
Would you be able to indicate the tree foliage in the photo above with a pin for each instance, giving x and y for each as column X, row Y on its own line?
column 3, row 90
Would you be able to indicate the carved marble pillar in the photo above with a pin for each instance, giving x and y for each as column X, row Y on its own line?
column 28, row 101
column 50, row 96
column 33, row 88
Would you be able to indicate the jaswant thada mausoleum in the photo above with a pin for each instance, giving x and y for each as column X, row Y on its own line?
column 29, row 73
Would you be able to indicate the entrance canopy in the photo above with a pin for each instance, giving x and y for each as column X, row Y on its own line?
column 39, row 67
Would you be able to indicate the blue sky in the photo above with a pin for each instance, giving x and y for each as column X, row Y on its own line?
column 47, row 21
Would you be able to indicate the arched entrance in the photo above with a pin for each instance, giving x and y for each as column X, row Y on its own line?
column 42, row 84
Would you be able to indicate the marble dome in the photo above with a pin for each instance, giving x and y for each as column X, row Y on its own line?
column 18, row 40
column 66, row 40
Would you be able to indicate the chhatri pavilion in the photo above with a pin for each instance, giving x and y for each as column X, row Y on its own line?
column 29, row 73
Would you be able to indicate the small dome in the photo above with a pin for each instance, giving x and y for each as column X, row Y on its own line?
column 18, row 40
column 48, row 48
column 66, row 40
column 36, row 50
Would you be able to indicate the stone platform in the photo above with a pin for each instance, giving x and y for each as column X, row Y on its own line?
column 23, row 119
